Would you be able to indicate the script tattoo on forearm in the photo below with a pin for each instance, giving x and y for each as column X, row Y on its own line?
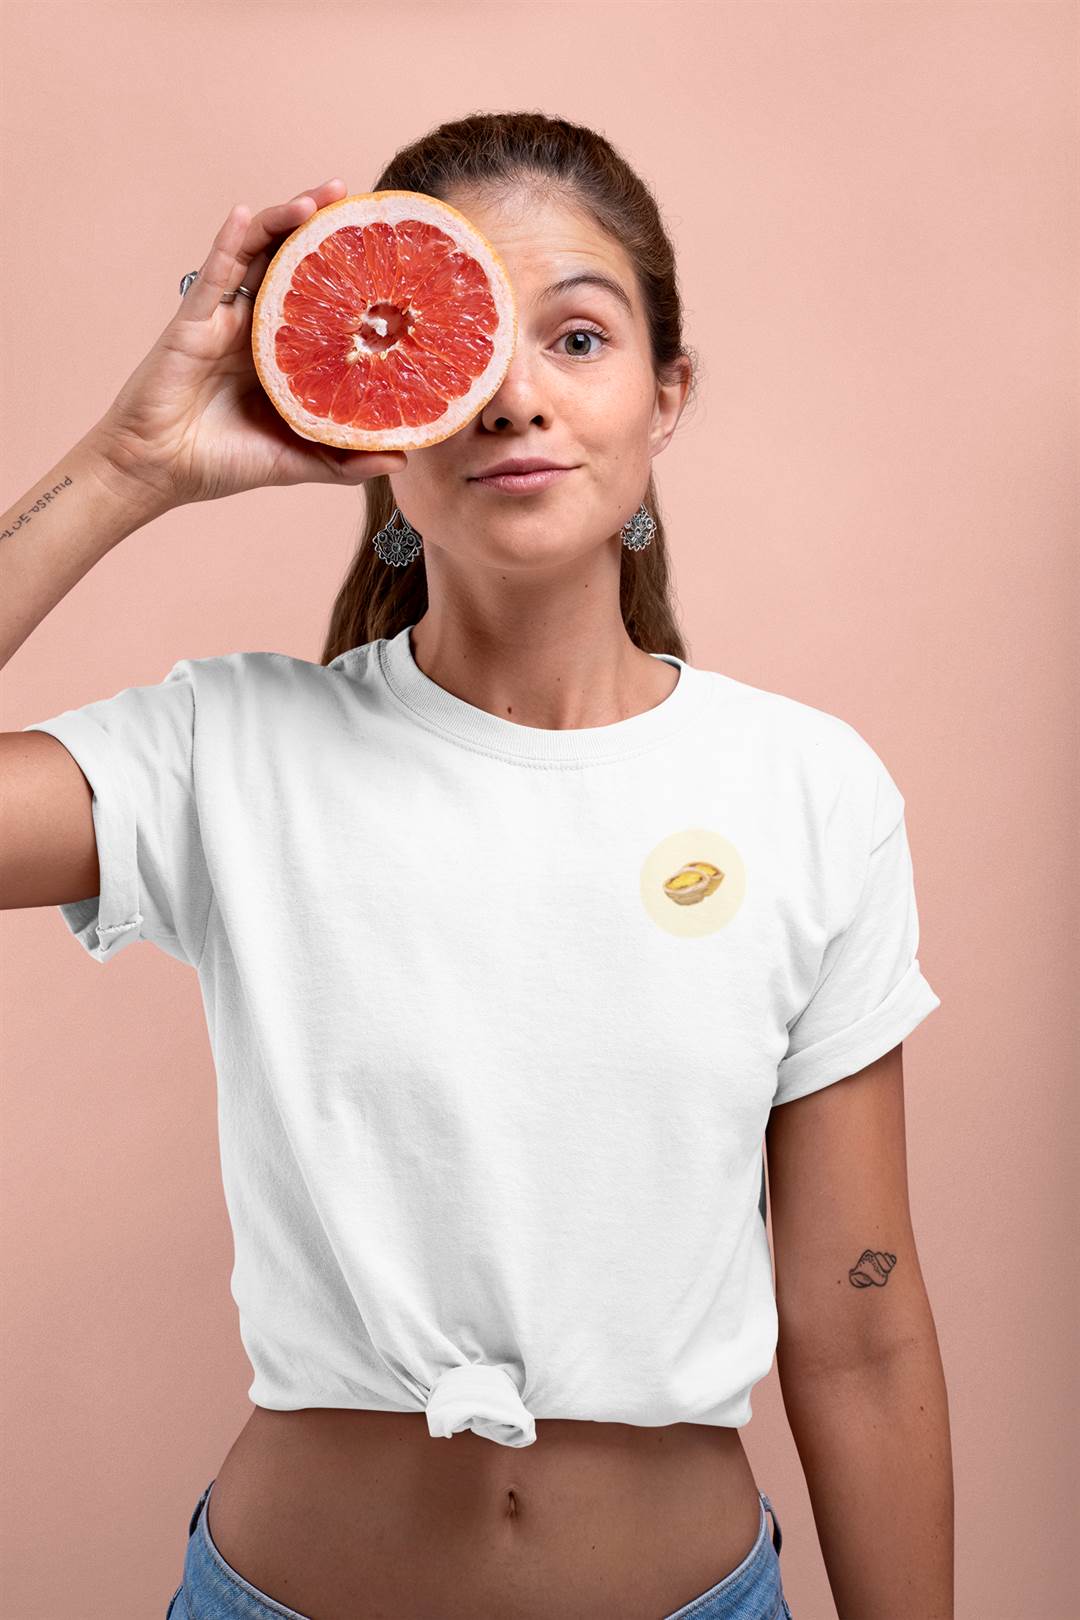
column 871, row 1270
column 38, row 506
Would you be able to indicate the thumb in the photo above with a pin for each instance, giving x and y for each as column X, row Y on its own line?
column 357, row 466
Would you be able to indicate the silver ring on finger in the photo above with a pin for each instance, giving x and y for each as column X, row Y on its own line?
column 226, row 298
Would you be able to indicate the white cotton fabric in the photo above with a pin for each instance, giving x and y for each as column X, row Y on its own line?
column 492, row 1097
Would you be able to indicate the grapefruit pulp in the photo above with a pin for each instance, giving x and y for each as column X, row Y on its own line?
column 386, row 321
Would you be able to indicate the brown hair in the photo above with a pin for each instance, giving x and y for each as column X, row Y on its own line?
column 498, row 151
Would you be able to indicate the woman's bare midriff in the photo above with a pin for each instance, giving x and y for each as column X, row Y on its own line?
column 358, row 1515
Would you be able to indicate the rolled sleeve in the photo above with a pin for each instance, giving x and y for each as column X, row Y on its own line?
column 136, row 750
column 870, row 991
column 105, row 924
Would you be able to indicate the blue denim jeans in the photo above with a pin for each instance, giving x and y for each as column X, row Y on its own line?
column 213, row 1590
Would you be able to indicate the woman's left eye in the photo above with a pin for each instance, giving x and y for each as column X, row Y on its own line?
column 583, row 331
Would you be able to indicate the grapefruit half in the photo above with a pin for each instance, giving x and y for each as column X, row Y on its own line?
column 385, row 322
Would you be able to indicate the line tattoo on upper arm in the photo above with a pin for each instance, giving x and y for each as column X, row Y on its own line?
column 871, row 1270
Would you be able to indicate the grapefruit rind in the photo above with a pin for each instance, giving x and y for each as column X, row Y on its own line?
column 365, row 208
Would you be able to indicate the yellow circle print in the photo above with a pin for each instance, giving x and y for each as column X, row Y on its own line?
column 693, row 882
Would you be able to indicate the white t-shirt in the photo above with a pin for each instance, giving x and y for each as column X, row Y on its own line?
column 499, row 1013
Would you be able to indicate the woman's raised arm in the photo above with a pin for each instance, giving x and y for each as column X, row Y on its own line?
column 191, row 423
column 49, row 539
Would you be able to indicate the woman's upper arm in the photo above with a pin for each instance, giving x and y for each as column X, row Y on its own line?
column 848, row 1283
column 48, row 845
column 131, row 766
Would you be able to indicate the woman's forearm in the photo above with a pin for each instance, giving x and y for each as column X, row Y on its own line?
column 58, row 530
column 875, row 1447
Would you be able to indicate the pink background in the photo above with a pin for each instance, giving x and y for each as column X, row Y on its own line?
column 873, row 509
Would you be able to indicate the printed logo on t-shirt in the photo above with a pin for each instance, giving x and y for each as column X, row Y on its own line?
column 693, row 882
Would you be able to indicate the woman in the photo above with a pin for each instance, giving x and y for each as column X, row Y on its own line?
column 514, row 930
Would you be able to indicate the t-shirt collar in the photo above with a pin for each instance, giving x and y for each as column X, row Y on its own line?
column 493, row 733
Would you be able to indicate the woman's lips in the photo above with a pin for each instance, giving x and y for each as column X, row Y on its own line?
column 522, row 483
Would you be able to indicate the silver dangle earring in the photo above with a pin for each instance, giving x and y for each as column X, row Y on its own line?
column 638, row 530
column 397, row 545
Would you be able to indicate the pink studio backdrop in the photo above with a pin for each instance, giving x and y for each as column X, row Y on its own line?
column 872, row 509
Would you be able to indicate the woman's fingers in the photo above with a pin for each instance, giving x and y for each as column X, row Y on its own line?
column 217, row 273
column 266, row 229
column 244, row 247
column 281, row 218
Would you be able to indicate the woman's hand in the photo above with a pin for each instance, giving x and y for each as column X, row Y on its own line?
column 193, row 421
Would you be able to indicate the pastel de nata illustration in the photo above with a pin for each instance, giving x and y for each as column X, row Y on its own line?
column 693, row 882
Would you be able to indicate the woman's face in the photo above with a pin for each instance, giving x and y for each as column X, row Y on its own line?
column 589, row 402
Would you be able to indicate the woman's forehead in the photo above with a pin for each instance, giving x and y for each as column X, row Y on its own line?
column 550, row 246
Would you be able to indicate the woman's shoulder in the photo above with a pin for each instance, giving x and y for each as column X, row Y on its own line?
column 270, row 673
column 811, row 759
column 779, row 719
